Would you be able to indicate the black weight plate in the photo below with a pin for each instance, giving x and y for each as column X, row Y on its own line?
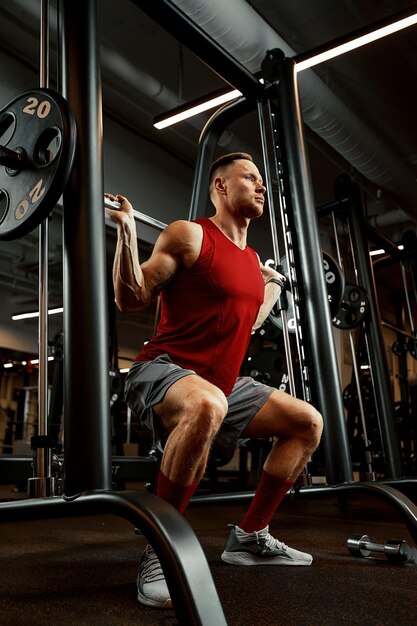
column 269, row 367
column 353, row 308
column 45, row 131
column 269, row 331
column 412, row 347
column 399, row 347
column 335, row 284
column 350, row 398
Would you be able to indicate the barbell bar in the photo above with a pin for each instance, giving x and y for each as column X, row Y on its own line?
column 140, row 217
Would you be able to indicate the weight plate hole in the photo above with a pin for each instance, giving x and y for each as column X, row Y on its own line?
column 47, row 146
column 4, row 204
column 7, row 128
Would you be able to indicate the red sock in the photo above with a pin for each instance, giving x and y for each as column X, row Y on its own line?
column 268, row 495
column 177, row 495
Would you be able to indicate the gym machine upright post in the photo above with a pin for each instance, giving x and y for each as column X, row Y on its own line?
column 288, row 242
column 43, row 483
column 335, row 438
column 87, row 419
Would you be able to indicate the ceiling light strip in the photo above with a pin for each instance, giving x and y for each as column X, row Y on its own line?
column 357, row 42
column 194, row 108
column 189, row 111
column 25, row 316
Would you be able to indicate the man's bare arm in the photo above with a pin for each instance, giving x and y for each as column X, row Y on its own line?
column 136, row 284
column 274, row 283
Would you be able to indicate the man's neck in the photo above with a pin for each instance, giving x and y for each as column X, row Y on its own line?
column 233, row 230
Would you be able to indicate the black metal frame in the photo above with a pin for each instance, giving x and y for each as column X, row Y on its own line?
column 321, row 341
column 170, row 17
column 189, row 580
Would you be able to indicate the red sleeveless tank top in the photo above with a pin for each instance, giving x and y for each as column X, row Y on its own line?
column 208, row 310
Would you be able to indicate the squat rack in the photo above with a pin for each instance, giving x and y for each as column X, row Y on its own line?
column 87, row 436
column 284, row 90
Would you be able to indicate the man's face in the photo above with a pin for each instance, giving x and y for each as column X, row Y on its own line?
column 244, row 189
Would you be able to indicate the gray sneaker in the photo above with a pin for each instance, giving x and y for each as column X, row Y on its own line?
column 260, row 548
column 152, row 587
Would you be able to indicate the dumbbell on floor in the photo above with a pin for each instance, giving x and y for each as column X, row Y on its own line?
column 395, row 550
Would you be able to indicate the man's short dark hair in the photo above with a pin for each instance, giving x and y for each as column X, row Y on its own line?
column 226, row 159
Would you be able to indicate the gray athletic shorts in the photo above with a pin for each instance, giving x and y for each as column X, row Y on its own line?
column 148, row 381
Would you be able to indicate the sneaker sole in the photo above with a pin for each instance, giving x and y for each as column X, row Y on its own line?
column 155, row 603
column 245, row 558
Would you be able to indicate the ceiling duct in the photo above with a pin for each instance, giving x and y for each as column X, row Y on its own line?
column 245, row 35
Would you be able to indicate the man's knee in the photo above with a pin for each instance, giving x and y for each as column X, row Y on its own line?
column 313, row 425
column 209, row 410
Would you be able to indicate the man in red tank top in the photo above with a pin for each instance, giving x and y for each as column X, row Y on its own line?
column 184, row 384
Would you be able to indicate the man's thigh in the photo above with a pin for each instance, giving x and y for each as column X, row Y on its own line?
column 282, row 415
column 184, row 397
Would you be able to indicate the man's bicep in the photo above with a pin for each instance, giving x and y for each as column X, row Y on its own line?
column 157, row 272
column 175, row 246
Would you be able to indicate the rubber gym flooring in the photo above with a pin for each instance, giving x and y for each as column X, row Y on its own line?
column 82, row 571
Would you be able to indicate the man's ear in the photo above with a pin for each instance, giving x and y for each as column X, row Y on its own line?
column 219, row 184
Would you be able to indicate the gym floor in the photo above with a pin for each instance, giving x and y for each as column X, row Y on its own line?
column 82, row 571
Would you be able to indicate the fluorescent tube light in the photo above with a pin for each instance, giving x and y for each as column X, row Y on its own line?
column 25, row 316
column 363, row 40
column 377, row 252
column 183, row 113
column 36, row 361
column 199, row 106
column 382, row 251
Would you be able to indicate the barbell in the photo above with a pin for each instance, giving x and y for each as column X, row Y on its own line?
column 37, row 149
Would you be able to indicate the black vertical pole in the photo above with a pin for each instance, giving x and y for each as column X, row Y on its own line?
column 377, row 355
column 336, row 445
column 86, row 362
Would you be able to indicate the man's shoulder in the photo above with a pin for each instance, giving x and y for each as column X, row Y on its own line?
column 185, row 231
column 184, row 238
